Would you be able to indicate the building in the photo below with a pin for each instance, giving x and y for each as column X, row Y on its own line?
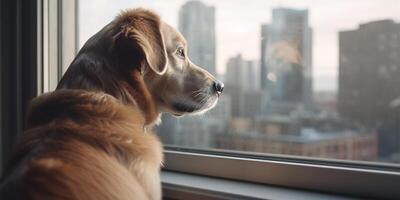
column 242, row 74
column 252, row 75
column 218, row 118
column 369, row 71
column 251, row 103
column 197, row 131
column 277, row 138
column 242, row 85
column 223, row 109
column 167, row 129
column 235, row 73
column 342, row 145
column 286, row 54
column 326, row 101
column 197, row 25
column 186, row 131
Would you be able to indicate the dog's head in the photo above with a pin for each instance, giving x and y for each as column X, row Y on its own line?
column 177, row 85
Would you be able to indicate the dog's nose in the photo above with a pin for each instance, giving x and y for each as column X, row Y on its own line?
column 218, row 87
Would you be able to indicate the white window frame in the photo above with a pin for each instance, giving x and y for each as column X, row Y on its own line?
column 57, row 40
column 59, row 27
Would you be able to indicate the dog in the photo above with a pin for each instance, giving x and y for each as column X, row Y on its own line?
column 91, row 138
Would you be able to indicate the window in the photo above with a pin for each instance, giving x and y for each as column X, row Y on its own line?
column 290, row 107
column 287, row 92
column 57, row 41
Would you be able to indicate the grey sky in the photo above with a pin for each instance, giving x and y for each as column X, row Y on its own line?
column 238, row 25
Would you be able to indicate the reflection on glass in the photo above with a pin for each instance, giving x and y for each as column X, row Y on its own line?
column 319, row 80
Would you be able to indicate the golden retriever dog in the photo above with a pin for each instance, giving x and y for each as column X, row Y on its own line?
column 91, row 138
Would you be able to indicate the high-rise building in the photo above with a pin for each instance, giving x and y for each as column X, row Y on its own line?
column 235, row 72
column 252, row 73
column 197, row 25
column 369, row 71
column 234, row 81
column 242, row 74
column 286, row 54
column 242, row 86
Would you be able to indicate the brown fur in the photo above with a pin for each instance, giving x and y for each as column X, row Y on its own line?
column 144, row 98
column 112, row 61
column 86, row 145
column 88, row 139
column 90, row 145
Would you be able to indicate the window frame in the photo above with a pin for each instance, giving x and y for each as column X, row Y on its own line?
column 41, row 40
column 18, row 59
column 340, row 177
column 57, row 40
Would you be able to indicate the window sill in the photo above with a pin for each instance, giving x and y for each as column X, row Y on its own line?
column 186, row 186
column 317, row 175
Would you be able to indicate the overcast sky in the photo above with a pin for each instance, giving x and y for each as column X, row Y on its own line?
column 238, row 25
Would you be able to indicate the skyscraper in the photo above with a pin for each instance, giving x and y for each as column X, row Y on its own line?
column 242, row 74
column 241, row 77
column 252, row 73
column 197, row 25
column 369, row 71
column 235, row 72
column 286, row 51
column 235, row 82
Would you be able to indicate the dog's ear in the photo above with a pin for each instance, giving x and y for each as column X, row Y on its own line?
column 141, row 30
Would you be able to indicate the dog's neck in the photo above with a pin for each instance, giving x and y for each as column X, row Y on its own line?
column 143, row 98
column 129, row 88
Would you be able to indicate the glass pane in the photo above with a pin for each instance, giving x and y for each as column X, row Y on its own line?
column 306, row 78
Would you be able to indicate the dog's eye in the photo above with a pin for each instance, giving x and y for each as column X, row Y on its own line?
column 180, row 52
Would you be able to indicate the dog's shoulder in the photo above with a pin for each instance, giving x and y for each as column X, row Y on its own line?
column 80, row 106
column 96, row 116
column 71, row 131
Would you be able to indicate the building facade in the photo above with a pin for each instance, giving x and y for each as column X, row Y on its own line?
column 242, row 85
column 286, row 55
column 369, row 71
column 197, row 25
column 285, row 135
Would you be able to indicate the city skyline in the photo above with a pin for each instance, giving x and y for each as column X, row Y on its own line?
column 327, row 18
column 276, row 119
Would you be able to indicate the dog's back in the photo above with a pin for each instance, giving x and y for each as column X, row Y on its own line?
column 91, row 143
column 82, row 145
